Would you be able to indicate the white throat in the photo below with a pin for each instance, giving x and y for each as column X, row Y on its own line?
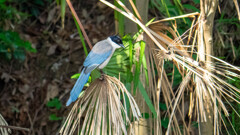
column 114, row 45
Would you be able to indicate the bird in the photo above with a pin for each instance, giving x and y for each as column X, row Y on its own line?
column 98, row 58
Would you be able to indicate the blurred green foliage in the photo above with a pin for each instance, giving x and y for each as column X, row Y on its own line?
column 54, row 117
column 174, row 8
column 119, row 18
column 75, row 76
column 10, row 13
column 12, row 46
column 177, row 78
column 32, row 7
column 164, row 122
column 54, row 103
column 228, row 28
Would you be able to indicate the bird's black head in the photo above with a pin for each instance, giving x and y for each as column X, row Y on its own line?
column 117, row 40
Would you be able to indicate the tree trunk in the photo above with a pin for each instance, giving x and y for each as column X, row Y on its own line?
column 142, row 7
column 208, row 9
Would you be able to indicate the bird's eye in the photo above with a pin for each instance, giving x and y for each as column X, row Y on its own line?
column 119, row 41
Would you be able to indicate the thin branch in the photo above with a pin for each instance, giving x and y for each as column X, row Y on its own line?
column 79, row 23
column 234, row 53
column 135, row 10
column 15, row 128
column 190, row 15
column 134, row 19
column 237, row 7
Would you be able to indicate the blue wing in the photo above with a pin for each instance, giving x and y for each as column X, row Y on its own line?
column 92, row 61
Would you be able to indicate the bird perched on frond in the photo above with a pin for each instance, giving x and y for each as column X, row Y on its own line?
column 99, row 57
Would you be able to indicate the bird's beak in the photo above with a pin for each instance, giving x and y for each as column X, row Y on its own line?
column 122, row 46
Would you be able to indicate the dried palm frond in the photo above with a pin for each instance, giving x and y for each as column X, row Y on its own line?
column 204, row 77
column 165, row 89
column 209, row 84
column 4, row 131
column 103, row 107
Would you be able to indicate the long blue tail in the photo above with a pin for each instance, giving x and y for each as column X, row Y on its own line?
column 83, row 78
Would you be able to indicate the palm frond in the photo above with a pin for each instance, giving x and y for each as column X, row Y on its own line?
column 206, row 80
column 103, row 107
column 4, row 131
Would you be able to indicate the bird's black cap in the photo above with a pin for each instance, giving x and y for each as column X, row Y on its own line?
column 117, row 40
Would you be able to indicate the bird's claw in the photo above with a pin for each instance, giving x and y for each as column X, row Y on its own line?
column 101, row 78
column 102, row 75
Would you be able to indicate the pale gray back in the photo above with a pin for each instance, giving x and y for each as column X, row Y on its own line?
column 102, row 47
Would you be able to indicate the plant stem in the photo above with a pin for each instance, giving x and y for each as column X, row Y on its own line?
column 79, row 23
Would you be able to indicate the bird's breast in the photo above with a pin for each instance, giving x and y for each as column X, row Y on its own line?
column 101, row 66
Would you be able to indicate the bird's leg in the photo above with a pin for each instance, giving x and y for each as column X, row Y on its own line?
column 102, row 75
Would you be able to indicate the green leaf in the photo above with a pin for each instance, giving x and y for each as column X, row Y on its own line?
column 128, row 87
column 138, row 66
column 81, row 37
column 196, row 1
column 222, row 57
column 177, row 77
column 144, row 62
column 129, row 72
column 119, row 64
column 195, row 124
column 12, row 44
column 54, row 103
column 54, row 117
column 81, row 93
column 27, row 45
column 165, row 122
column 162, row 106
column 75, row 76
column 95, row 74
column 147, row 99
column 166, row 5
column 15, row 109
column 187, row 6
column 180, row 8
column 145, row 115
